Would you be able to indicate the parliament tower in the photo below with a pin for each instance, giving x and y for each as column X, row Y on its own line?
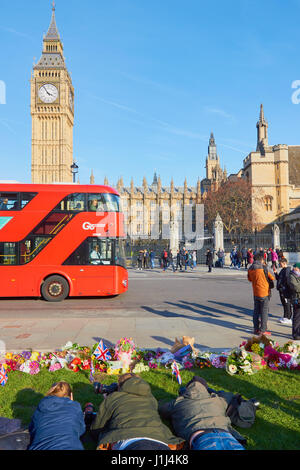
column 52, row 111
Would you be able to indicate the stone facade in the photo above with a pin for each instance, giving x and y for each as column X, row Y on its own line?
column 140, row 203
column 52, row 111
column 274, row 173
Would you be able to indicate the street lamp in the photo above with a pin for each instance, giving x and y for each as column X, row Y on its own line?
column 74, row 170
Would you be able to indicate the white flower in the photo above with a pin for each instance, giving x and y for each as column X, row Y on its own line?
column 261, row 345
column 68, row 345
column 246, row 363
column 232, row 369
column 244, row 353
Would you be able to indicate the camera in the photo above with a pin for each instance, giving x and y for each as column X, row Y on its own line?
column 105, row 389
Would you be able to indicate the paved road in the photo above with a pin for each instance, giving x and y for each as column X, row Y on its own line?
column 215, row 308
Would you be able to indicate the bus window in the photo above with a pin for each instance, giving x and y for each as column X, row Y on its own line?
column 93, row 251
column 100, row 251
column 25, row 198
column 8, row 254
column 73, row 202
column 104, row 202
column 53, row 224
column 120, row 257
column 9, row 202
column 31, row 247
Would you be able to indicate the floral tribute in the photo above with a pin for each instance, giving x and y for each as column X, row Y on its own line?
column 250, row 357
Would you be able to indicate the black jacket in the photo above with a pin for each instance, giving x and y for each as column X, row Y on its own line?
column 209, row 258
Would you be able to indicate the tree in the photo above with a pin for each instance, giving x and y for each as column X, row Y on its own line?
column 233, row 201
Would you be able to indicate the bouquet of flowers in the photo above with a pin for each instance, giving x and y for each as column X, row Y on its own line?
column 240, row 361
column 124, row 345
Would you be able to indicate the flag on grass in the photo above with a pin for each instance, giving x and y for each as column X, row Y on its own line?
column 102, row 352
column 175, row 371
column 3, row 375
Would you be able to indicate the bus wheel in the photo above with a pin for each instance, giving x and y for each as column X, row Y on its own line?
column 55, row 289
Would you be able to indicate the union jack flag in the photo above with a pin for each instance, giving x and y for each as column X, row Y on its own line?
column 102, row 352
column 3, row 376
column 175, row 371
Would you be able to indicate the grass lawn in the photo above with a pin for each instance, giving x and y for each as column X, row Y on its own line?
column 277, row 425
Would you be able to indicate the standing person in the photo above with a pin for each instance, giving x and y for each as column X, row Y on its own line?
column 186, row 259
column 294, row 285
column 250, row 256
column 200, row 418
column 58, row 421
column 239, row 258
column 274, row 259
column 221, row 257
column 269, row 257
column 244, row 256
column 140, row 260
column 179, row 260
column 128, row 419
column 146, row 259
column 194, row 258
column 152, row 257
column 284, row 291
column 165, row 260
column 209, row 260
column 171, row 261
column 259, row 275
column 233, row 257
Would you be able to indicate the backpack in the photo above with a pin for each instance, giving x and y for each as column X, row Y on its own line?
column 271, row 283
column 241, row 412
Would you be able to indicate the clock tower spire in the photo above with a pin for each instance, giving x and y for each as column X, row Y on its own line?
column 52, row 112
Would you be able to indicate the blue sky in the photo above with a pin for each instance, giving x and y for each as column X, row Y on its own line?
column 152, row 79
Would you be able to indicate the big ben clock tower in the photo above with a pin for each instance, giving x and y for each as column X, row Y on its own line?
column 52, row 111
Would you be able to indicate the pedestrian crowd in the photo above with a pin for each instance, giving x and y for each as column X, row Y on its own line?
column 183, row 260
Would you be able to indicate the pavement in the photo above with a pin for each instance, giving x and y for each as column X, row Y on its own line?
column 214, row 308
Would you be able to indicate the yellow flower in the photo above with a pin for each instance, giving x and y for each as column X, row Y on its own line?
column 34, row 356
column 9, row 356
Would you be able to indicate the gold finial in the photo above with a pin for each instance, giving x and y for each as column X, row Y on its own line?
column 53, row 5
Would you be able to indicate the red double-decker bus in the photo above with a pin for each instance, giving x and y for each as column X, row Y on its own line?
column 59, row 240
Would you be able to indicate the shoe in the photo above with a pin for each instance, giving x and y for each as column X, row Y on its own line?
column 257, row 332
column 266, row 333
column 285, row 321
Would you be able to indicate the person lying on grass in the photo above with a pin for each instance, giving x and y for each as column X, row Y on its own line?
column 200, row 418
column 58, row 421
column 128, row 419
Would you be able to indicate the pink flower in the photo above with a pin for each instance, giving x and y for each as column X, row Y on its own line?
column 55, row 367
column 152, row 365
column 188, row 365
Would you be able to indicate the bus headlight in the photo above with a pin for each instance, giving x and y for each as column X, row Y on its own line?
column 124, row 282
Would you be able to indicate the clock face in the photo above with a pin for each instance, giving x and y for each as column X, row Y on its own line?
column 48, row 93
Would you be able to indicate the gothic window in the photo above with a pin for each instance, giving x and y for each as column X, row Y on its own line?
column 268, row 203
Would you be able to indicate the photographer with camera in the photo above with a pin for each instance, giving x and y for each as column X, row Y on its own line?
column 128, row 418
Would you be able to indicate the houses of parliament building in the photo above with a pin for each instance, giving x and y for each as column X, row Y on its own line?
column 273, row 171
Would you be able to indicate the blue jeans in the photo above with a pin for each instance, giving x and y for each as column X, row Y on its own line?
column 216, row 440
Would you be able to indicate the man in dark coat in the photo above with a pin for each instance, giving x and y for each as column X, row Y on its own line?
column 209, row 260
column 284, row 291
column 200, row 418
column 294, row 285
column 128, row 419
